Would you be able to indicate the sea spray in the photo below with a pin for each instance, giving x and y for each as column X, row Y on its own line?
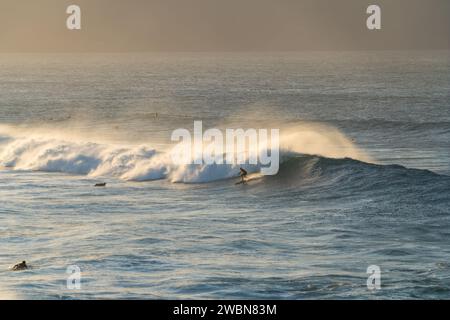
column 36, row 150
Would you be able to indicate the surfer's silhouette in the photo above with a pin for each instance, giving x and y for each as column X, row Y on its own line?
column 20, row 266
column 243, row 175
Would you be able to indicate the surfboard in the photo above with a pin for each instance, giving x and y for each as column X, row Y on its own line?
column 250, row 177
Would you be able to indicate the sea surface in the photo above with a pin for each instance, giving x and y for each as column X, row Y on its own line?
column 364, row 177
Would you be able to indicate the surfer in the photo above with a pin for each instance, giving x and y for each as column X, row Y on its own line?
column 243, row 175
column 20, row 266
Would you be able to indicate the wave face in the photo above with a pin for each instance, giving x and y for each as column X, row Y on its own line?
column 352, row 175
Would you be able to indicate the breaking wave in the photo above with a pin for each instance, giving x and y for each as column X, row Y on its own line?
column 34, row 151
column 329, row 174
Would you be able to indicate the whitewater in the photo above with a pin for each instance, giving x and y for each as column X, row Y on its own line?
column 35, row 150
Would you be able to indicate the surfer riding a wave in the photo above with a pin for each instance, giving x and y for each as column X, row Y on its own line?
column 243, row 174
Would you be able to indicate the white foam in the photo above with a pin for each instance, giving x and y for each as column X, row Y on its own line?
column 98, row 160
column 41, row 152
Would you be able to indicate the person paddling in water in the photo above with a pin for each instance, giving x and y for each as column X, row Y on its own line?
column 243, row 175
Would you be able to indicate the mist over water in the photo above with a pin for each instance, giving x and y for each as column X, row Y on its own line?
column 363, row 180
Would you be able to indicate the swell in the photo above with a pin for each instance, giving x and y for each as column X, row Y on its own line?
column 319, row 177
column 401, row 126
column 348, row 171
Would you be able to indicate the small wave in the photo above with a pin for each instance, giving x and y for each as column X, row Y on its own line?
column 405, row 126
column 346, row 177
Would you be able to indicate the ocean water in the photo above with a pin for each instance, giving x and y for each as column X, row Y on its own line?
column 364, row 178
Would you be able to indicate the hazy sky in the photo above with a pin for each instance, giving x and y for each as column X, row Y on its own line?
column 222, row 25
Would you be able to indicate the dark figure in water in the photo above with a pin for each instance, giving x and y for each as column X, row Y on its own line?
column 243, row 175
column 100, row 185
column 20, row 266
